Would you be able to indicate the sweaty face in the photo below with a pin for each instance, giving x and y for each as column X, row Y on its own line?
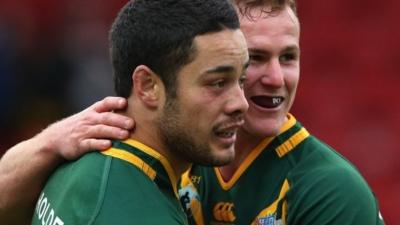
column 200, row 125
column 273, row 73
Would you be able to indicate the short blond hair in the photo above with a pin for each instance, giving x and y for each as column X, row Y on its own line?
column 267, row 6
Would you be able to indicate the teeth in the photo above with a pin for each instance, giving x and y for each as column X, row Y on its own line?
column 226, row 134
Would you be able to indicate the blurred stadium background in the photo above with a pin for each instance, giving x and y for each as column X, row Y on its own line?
column 54, row 62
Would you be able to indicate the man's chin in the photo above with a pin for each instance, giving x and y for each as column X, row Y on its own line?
column 213, row 155
column 223, row 156
column 264, row 128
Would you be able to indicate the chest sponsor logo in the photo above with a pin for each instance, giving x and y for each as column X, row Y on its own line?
column 224, row 212
column 45, row 213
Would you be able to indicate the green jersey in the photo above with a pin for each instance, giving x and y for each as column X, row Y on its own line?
column 126, row 185
column 292, row 179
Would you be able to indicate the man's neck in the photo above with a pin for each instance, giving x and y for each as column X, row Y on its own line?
column 146, row 132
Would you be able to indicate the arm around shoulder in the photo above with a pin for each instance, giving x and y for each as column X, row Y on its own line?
column 23, row 170
column 25, row 167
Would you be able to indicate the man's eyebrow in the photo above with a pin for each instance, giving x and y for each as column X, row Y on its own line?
column 257, row 51
column 221, row 69
column 287, row 49
column 292, row 48
column 227, row 69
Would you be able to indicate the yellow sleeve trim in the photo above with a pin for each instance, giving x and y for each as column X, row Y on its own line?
column 292, row 142
column 132, row 159
column 273, row 207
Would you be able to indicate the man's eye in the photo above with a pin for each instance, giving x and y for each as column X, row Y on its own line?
column 287, row 57
column 255, row 58
column 218, row 84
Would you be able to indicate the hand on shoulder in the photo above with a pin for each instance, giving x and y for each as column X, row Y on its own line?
column 87, row 130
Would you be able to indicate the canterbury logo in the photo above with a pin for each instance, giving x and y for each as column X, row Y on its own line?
column 223, row 211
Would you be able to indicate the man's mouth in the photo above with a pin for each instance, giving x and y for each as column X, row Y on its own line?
column 225, row 133
column 229, row 129
column 267, row 101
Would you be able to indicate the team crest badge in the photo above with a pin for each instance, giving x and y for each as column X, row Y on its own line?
column 190, row 199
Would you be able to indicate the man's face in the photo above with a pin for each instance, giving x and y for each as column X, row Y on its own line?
column 200, row 124
column 273, row 73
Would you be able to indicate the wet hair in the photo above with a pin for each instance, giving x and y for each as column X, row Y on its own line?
column 160, row 35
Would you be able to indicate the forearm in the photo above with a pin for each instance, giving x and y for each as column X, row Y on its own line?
column 23, row 171
column 25, row 167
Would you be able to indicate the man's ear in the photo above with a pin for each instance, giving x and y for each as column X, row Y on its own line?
column 147, row 85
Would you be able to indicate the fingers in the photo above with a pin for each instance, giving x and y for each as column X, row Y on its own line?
column 98, row 131
column 97, row 143
column 109, row 104
column 102, row 113
column 96, row 137
column 91, row 145
column 116, row 120
column 92, row 129
column 101, row 131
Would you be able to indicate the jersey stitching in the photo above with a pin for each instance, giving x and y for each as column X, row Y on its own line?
column 103, row 188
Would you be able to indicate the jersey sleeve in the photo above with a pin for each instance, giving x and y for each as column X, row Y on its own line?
column 130, row 198
column 72, row 193
column 331, row 196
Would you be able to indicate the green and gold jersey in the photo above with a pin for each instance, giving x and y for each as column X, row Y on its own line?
column 291, row 179
column 128, row 184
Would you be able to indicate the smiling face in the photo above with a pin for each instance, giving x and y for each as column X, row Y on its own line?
column 273, row 74
column 200, row 125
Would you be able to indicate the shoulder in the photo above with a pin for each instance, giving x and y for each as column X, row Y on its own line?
column 72, row 192
column 325, row 186
column 320, row 169
column 81, row 175
column 314, row 156
column 131, row 197
column 344, row 180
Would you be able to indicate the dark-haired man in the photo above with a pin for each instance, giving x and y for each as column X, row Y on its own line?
column 180, row 64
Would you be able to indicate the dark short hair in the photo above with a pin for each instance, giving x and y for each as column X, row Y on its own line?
column 160, row 34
